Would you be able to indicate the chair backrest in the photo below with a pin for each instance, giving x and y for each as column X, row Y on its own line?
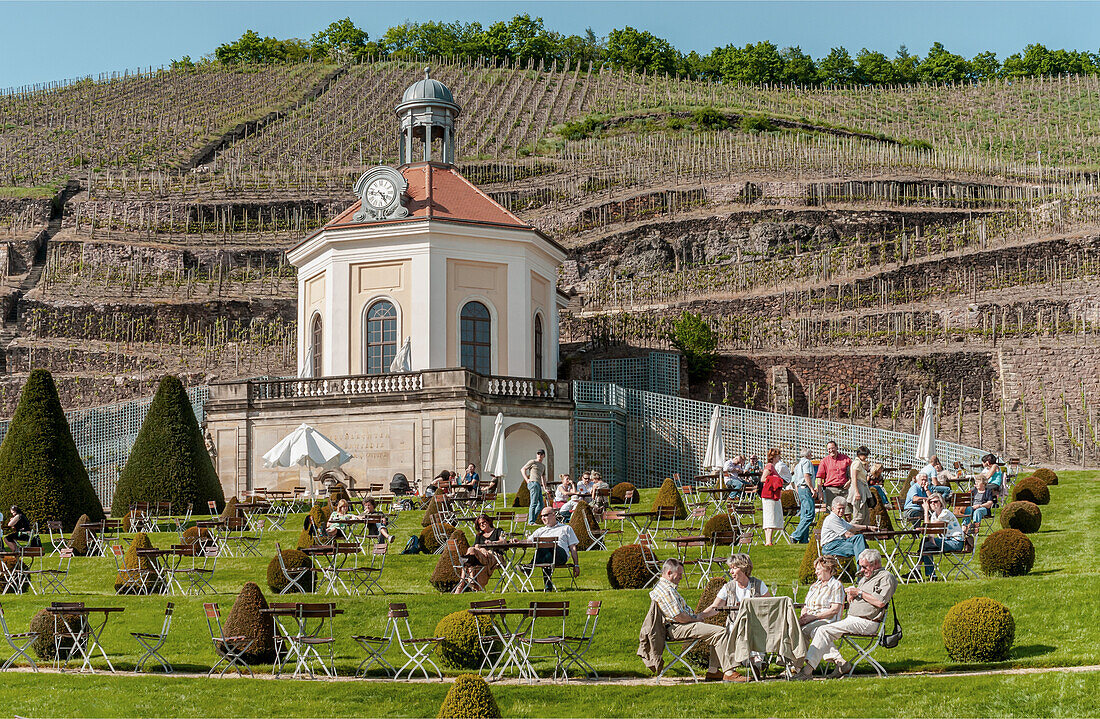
column 489, row 604
column 167, row 618
column 213, row 619
column 398, row 610
column 213, row 507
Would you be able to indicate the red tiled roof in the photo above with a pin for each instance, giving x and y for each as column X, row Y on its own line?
column 441, row 193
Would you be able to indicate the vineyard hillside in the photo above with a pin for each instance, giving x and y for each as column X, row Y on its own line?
column 851, row 248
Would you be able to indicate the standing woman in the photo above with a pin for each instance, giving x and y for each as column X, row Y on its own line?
column 858, row 489
column 771, row 491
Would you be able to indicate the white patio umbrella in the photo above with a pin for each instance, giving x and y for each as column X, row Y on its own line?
column 715, row 455
column 307, row 366
column 402, row 361
column 306, row 447
column 926, row 444
column 495, row 464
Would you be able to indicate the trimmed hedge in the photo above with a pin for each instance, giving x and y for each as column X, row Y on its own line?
column 978, row 629
column 1007, row 553
column 230, row 509
column 293, row 560
column 443, row 577
column 246, row 620
column 576, row 521
column 169, row 461
column 40, row 467
column 719, row 523
column 43, row 624
column 459, row 648
column 1031, row 489
column 319, row 515
column 879, row 515
column 427, row 538
column 806, row 574
column 147, row 582
column 788, row 499
column 78, row 540
column 1024, row 516
column 669, row 497
column 431, row 510
column 1045, row 475
column 626, row 569
column 305, row 539
column 618, row 493
column 523, row 496
column 195, row 535
column 469, row 698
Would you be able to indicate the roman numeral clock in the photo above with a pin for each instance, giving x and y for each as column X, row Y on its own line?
column 382, row 193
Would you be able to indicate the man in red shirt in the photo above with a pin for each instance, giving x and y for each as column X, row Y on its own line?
column 832, row 474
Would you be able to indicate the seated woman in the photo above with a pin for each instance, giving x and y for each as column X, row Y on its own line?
column 981, row 501
column 334, row 527
column 376, row 529
column 480, row 560
column 824, row 600
column 741, row 587
column 17, row 529
column 952, row 540
column 994, row 477
column 599, row 500
column 564, row 491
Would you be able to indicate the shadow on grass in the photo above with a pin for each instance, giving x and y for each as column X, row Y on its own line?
column 1032, row 650
column 1041, row 572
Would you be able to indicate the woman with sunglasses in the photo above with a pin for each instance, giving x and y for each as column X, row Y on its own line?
column 952, row 541
column 480, row 559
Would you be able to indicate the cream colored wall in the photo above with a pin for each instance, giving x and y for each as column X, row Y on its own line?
column 313, row 296
column 540, row 304
column 486, row 282
column 391, row 280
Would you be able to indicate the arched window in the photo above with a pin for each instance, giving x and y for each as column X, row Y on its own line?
column 475, row 333
column 381, row 336
column 316, row 334
column 538, row 346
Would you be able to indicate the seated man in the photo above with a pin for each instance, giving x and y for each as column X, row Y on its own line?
column 731, row 473
column 471, row 478
column 599, row 501
column 583, row 488
column 937, row 478
column 683, row 624
column 567, row 545
column 915, row 498
column 867, row 602
column 839, row 537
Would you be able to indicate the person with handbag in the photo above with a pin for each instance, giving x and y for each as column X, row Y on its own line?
column 867, row 603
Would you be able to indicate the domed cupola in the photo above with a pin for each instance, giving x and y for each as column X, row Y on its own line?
column 427, row 112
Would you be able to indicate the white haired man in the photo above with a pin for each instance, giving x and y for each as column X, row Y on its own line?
column 867, row 602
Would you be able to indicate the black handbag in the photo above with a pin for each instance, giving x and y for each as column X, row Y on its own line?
column 892, row 639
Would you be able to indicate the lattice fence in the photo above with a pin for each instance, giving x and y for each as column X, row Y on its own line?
column 661, row 434
column 655, row 372
column 105, row 435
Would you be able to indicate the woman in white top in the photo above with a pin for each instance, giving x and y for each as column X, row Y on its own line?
column 824, row 601
column 741, row 587
column 564, row 492
column 952, row 540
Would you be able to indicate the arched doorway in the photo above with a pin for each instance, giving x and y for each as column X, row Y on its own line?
column 521, row 441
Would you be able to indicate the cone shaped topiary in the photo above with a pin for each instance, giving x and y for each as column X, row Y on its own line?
column 669, row 497
column 246, row 620
column 443, row 576
column 230, row 509
column 141, row 577
column 700, row 655
column 460, row 648
column 469, row 698
column 1046, row 475
column 293, row 559
column 806, row 573
column 78, row 540
column 618, row 493
column 626, row 568
column 1031, row 489
column 305, row 539
column 319, row 514
column 879, row 515
column 1008, row 553
column 523, row 496
column 978, row 629
column 430, row 511
column 576, row 521
column 1024, row 516
column 169, row 461
column 40, row 467
column 428, row 541
column 722, row 524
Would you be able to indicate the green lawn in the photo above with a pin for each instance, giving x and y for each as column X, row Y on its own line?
column 1055, row 608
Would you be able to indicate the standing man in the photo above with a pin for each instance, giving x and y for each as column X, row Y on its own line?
column 832, row 473
column 534, row 473
column 858, row 489
column 803, row 481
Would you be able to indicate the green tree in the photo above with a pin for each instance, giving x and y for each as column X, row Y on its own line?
column 759, row 63
column 836, row 68
column 640, row 50
column 798, row 67
column 696, row 340
column 40, row 467
column 985, row 65
column 943, row 66
column 342, row 41
column 169, row 461
column 905, row 66
column 874, row 68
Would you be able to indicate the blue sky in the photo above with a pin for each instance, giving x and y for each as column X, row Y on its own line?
column 56, row 40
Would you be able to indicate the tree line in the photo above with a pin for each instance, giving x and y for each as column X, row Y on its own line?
column 525, row 39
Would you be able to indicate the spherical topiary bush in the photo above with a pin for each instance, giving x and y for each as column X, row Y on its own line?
column 723, row 524
column 978, row 629
column 1031, row 489
column 469, row 698
column 78, row 540
column 305, row 539
column 700, row 655
column 195, row 535
column 43, row 624
column 443, row 576
column 669, row 499
column 523, row 496
column 246, row 620
column 1024, row 516
column 460, row 648
column 293, row 560
column 618, row 493
column 626, row 569
column 1045, row 475
column 1008, row 553
column 577, row 522
column 789, row 500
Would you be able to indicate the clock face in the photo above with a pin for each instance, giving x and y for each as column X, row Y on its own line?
column 381, row 192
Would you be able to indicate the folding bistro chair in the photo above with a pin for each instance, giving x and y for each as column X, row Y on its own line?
column 574, row 647
column 53, row 580
column 315, row 633
column 229, row 649
column 366, row 579
column 152, row 643
column 678, row 657
column 293, row 576
column 58, row 540
column 596, row 533
column 19, row 641
column 439, row 533
column 237, row 534
column 649, row 556
column 488, row 639
column 550, row 613
column 865, row 645
column 418, row 651
column 961, row 560
column 375, row 647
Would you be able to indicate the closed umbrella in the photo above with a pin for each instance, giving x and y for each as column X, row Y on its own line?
column 495, row 464
column 715, row 455
column 306, row 447
column 307, row 366
column 402, row 361
column 926, row 444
